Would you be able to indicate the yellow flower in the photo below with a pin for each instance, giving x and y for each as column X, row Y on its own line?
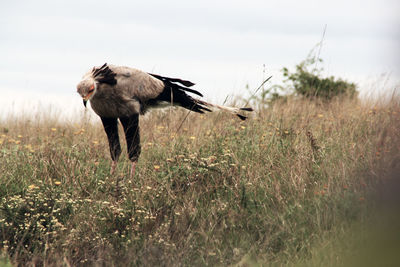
column 57, row 183
column 20, row 136
column 156, row 167
column 53, row 129
column 32, row 187
column 193, row 137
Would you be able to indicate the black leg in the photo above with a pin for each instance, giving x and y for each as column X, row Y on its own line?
column 111, row 128
column 132, row 135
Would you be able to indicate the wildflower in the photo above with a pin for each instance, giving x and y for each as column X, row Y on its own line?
column 32, row 187
column 193, row 137
column 156, row 167
column 53, row 129
column 243, row 127
column 19, row 136
column 57, row 183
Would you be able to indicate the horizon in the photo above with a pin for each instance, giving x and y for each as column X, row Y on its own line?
column 222, row 47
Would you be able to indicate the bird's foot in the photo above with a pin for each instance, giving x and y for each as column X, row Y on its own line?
column 133, row 169
column 113, row 166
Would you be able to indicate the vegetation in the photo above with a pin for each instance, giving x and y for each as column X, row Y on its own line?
column 217, row 191
column 307, row 81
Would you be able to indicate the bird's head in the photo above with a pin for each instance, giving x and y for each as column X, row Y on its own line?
column 87, row 89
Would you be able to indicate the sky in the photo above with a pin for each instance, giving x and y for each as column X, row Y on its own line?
column 222, row 46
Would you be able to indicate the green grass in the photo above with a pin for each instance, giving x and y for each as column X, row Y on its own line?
column 219, row 191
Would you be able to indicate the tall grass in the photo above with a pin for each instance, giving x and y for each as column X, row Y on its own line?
column 212, row 191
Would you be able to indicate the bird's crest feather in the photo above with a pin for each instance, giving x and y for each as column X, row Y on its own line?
column 104, row 74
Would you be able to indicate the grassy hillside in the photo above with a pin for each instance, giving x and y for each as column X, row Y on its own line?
column 217, row 191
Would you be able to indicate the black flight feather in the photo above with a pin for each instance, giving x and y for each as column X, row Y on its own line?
column 174, row 80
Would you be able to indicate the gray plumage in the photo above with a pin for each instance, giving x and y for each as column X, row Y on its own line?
column 118, row 92
column 123, row 99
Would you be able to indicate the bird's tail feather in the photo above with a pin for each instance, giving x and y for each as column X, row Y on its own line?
column 233, row 110
column 176, row 95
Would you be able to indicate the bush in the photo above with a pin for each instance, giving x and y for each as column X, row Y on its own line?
column 309, row 83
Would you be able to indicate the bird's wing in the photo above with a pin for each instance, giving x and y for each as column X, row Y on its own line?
column 133, row 83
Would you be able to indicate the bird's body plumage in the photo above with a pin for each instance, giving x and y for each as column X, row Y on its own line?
column 118, row 92
column 133, row 88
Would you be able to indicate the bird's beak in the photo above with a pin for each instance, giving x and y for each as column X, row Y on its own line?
column 86, row 97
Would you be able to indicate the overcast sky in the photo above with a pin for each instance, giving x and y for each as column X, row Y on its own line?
column 46, row 46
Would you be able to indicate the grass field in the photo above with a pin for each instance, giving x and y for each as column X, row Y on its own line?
column 281, row 188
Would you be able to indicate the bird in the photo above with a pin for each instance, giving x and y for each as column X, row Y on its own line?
column 123, row 93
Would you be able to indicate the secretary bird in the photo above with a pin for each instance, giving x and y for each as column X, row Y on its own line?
column 118, row 92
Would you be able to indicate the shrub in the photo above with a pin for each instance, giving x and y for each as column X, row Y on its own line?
column 307, row 81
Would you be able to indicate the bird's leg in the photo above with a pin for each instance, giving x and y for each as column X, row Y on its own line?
column 111, row 128
column 113, row 166
column 133, row 169
column 131, row 129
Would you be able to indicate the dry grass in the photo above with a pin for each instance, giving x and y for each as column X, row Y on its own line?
column 218, row 191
